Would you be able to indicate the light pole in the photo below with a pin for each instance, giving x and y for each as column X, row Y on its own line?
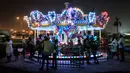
column 21, row 19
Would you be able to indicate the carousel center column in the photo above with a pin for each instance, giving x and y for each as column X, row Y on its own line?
column 38, row 33
column 100, row 34
column 92, row 32
column 35, row 36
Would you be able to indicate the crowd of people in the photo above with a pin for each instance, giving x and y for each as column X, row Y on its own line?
column 46, row 47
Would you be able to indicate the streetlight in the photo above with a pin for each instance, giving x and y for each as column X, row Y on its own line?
column 11, row 30
column 24, row 18
column 15, row 31
column 23, row 30
column 17, row 18
column 21, row 19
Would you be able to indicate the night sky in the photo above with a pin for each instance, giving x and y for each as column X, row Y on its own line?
column 9, row 9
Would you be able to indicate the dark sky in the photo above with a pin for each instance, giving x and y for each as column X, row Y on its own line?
column 9, row 9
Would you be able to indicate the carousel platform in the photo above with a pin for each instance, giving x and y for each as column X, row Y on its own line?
column 71, row 57
column 67, row 61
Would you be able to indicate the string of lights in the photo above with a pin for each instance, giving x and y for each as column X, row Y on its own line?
column 69, row 16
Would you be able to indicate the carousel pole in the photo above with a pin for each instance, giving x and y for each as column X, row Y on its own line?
column 38, row 32
column 65, row 37
column 35, row 36
column 100, row 34
column 61, row 36
column 92, row 32
column 86, row 31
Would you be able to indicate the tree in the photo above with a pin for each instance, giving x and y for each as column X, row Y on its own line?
column 117, row 23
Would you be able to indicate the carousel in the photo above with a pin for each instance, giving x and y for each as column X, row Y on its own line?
column 70, row 25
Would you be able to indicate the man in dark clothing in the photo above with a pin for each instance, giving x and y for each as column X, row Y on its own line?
column 54, row 63
column 48, row 48
column 24, row 46
column 39, row 46
column 94, row 48
column 30, row 47
column 15, row 51
column 87, row 48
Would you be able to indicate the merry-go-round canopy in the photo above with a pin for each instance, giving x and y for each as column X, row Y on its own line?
column 68, row 17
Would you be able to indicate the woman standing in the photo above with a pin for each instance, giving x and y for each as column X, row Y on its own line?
column 114, row 50
column 9, row 48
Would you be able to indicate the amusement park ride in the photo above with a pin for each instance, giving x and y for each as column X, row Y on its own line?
column 70, row 21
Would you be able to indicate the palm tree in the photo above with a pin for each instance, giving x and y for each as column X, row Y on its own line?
column 117, row 23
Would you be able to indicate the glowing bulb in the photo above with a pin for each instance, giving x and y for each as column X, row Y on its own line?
column 23, row 30
column 11, row 30
column 17, row 18
column 15, row 31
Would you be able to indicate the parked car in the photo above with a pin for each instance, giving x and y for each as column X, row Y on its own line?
column 127, row 42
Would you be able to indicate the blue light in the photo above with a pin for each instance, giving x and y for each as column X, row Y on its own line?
column 35, row 15
column 63, row 13
column 52, row 16
column 56, row 56
column 95, row 38
column 72, row 56
column 80, row 22
column 91, row 17
column 66, row 57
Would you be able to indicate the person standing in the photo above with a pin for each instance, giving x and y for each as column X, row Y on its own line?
column 30, row 47
column 94, row 48
column 114, row 50
column 9, row 48
column 121, row 48
column 39, row 46
column 54, row 63
column 87, row 48
column 24, row 46
column 46, row 52
column 15, row 52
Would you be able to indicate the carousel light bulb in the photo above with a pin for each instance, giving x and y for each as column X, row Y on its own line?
column 72, row 23
column 77, row 9
column 69, row 21
column 11, row 30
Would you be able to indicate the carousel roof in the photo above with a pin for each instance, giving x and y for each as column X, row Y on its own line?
column 69, row 16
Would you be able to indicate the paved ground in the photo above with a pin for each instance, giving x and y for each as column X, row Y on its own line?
column 25, row 66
